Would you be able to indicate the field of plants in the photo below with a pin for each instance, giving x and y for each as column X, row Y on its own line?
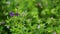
column 29, row 16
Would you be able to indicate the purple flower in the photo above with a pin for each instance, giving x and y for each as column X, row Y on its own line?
column 16, row 14
column 11, row 14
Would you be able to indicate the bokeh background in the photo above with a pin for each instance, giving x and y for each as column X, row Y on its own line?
column 29, row 16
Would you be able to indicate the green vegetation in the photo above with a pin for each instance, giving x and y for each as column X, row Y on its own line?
column 29, row 16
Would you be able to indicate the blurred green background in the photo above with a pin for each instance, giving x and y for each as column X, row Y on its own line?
column 29, row 16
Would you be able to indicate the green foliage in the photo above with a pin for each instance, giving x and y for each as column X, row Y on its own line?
column 29, row 16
